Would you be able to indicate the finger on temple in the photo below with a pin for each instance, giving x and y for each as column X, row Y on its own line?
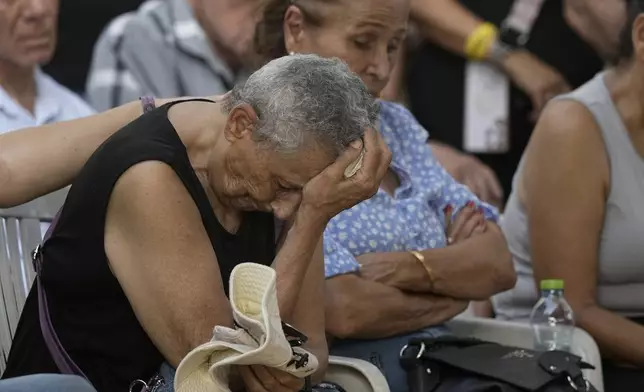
column 372, row 151
column 346, row 159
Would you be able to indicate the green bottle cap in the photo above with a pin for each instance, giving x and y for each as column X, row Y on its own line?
column 552, row 284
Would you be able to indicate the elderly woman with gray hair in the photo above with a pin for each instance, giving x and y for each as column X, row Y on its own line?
column 137, row 267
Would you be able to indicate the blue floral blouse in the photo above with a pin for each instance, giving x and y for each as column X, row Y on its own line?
column 413, row 219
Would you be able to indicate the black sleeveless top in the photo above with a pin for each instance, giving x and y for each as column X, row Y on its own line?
column 89, row 310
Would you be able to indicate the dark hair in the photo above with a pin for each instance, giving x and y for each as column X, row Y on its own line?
column 625, row 49
column 269, row 34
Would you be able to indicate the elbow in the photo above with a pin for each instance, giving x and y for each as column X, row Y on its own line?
column 342, row 313
column 340, row 322
column 584, row 311
column 322, row 355
column 505, row 277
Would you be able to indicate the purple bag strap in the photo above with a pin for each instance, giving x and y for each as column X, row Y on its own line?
column 58, row 353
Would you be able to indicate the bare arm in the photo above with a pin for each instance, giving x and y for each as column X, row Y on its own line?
column 564, row 186
column 38, row 160
column 473, row 269
column 449, row 24
column 350, row 310
column 597, row 21
column 445, row 22
column 295, row 260
column 161, row 255
column 308, row 315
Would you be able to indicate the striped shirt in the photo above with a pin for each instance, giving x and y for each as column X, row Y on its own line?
column 159, row 50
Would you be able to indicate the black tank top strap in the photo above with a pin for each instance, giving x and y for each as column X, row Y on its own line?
column 168, row 105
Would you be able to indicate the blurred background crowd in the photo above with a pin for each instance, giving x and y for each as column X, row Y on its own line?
column 536, row 106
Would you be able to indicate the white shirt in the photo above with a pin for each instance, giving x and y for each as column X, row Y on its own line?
column 54, row 103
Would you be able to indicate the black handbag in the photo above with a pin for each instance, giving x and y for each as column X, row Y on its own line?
column 453, row 364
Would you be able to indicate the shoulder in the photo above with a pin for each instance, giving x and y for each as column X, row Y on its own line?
column 566, row 150
column 569, row 124
column 400, row 122
column 150, row 21
column 394, row 112
column 149, row 195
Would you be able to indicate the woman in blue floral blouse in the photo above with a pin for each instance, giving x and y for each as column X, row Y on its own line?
column 414, row 255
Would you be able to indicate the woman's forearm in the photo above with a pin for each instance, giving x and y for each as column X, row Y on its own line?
column 618, row 338
column 473, row 269
column 361, row 309
column 36, row 161
column 321, row 352
column 294, row 257
column 445, row 22
column 39, row 160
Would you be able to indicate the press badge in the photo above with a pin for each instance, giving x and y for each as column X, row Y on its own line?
column 487, row 109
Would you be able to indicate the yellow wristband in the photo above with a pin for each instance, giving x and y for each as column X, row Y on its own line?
column 480, row 41
column 421, row 259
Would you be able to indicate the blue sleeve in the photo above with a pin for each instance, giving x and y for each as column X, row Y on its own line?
column 432, row 173
column 338, row 260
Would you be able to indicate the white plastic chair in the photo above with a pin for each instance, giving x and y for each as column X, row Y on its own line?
column 20, row 233
column 520, row 335
column 355, row 375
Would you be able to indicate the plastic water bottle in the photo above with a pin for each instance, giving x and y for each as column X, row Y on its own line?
column 552, row 319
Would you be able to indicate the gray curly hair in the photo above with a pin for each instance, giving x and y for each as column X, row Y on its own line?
column 304, row 95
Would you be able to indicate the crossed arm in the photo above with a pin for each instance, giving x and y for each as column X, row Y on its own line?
column 401, row 298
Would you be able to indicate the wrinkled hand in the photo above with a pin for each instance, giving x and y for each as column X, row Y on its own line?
column 538, row 80
column 481, row 180
column 469, row 221
column 257, row 378
column 329, row 193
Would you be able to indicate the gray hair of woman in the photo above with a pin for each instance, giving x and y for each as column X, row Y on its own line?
column 302, row 97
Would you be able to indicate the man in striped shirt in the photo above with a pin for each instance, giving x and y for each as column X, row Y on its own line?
column 172, row 48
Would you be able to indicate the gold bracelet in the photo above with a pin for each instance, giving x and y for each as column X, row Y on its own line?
column 421, row 259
